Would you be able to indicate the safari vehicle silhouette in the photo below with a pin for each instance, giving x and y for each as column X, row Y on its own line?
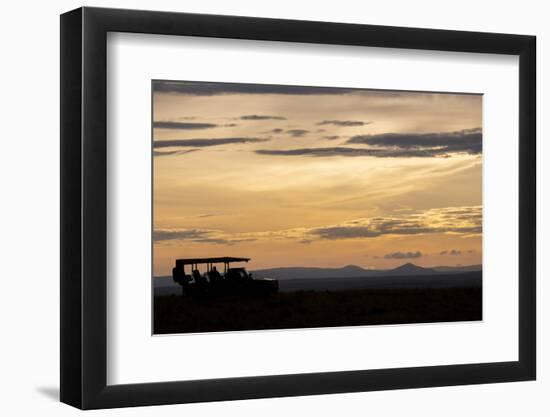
column 233, row 281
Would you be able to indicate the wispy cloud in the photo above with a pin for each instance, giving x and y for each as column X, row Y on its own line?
column 168, row 153
column 452, row 252
column 354, row 152
column 276, row 130
column 178, row 234
column 395, row 145
column 183, row 125
column 403, row 255
column 196, row 236
column 261, row 117
column 462, row 141
column 441, row 220
column 297, row 132
column 345, row 123
column 202, row 142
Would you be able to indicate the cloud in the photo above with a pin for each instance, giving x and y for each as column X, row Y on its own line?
column 178, row 234
column 346, row 123
column 202, row 142
column 403, row 255
column 440, row 220
column 261, row 117
column 297, row 132
column 396, row 145
column 277, row 130
column 210, row 89
column 196, row 236
column 168, row 153
column 452, row 252
column 352, row 152
column 462, row 141
column 183, row 125
column 221, row 241
column 424, row 222
column 345, row 232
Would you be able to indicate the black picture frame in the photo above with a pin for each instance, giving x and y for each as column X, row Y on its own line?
column 84, row 207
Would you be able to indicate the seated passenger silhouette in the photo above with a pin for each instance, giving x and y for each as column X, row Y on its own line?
column 214, row 275
column 197, row 277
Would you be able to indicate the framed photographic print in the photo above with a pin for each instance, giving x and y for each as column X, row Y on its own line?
column 259, row 207
column 308, row 195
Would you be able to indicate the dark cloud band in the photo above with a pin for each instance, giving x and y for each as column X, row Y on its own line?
column 396, row 145
column 210, row 89
column 261, row 117
column 297, row 132
column 201, row 143
column 463, row 141
column 345, row 123
column 168, row 153
column 277, row 130
column 183, row 125
column 354, row 152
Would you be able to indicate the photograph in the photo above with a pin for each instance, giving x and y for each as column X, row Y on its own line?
column 289, row 207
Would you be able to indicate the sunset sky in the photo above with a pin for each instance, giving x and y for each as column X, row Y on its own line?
column 305, row 176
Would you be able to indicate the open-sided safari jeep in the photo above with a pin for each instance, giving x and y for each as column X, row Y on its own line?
column 233, row 281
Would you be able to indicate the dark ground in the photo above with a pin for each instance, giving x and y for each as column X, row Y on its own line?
column 303, row 309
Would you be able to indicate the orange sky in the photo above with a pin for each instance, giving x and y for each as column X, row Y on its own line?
column 315, row 177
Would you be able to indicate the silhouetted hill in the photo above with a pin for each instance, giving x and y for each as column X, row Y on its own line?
column 349, row 271
column 467, row 268
column 352, row 276
column 384, row 279
column 308, row 272
column 352, row 271
column 410, row 269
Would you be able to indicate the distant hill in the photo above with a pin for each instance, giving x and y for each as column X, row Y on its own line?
column 410, row 269
column 352, row 271
column 349, row 271
column 354, row 277
column 467, row 268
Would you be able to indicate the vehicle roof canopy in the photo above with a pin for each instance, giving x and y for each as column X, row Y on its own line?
column 223, row 259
